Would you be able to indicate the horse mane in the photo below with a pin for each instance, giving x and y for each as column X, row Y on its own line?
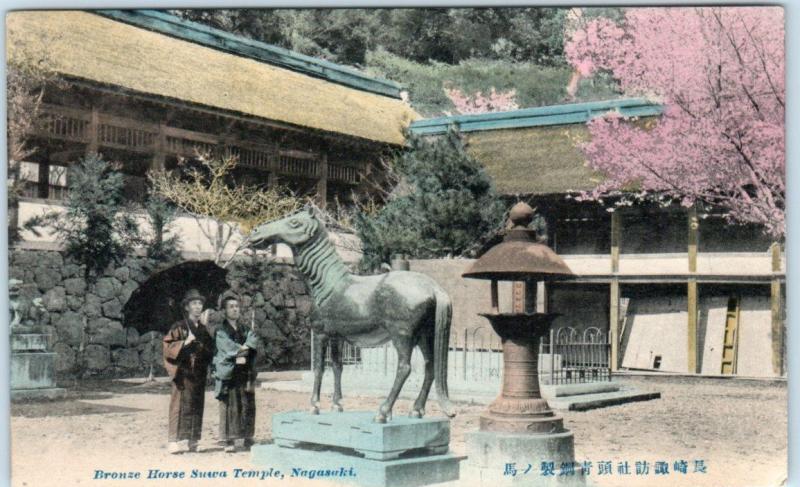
column 318, row 261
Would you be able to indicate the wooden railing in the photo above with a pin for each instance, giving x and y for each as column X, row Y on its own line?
column 140, row 136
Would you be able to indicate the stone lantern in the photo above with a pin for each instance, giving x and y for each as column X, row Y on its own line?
column 519, row 428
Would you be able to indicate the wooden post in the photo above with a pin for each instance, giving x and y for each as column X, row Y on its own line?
column 776, row 309
column 322, row 182
column 694, row 224
column 693, row 364
column 614, row 321
column 614, row 294
column 159, row 153
column 616, row 236
column 691, row 351
column 93, row 142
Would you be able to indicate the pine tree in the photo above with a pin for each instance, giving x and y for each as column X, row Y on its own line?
column 161, row 214
column 451, row 205
column 95, row 229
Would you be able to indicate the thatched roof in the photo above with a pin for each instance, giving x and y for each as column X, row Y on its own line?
column 535, row 150
column 537, row 160
column 91, row 47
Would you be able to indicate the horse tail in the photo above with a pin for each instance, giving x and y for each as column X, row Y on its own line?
column 441, row 343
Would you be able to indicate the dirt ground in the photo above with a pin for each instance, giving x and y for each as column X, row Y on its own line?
column 737, row 428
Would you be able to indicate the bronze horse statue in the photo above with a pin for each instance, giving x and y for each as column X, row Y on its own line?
column 408, row 308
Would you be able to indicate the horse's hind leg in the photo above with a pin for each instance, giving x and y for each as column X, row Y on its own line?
column 336, row 360
column 426, row 347
column 320, row 344
column 403, row 347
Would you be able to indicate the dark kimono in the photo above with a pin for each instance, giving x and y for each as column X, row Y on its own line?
column 234, row 382
column 187, row 366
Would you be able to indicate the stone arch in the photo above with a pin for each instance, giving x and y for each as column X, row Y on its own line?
column 155, row 304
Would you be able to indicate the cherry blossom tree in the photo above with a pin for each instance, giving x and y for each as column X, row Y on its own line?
column 719, row 73
column 493, row 101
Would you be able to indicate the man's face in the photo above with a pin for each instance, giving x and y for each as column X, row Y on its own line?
column 232, row 310
column 194, row 308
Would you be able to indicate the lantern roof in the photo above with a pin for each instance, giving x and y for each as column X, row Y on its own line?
column 519, row 257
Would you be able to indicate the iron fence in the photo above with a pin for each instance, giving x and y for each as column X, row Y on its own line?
column 570, row 357
column 565, row 357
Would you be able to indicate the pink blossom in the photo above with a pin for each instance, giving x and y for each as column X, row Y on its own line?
column 478, row 103
column 719, row 72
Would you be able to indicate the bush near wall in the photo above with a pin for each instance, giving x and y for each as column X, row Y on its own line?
column 85, row 320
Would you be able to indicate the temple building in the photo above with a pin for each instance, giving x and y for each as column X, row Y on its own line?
column 145, row 89
column 676, row 289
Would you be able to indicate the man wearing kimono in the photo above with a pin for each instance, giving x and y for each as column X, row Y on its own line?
column 234, row 374
column 188, row 350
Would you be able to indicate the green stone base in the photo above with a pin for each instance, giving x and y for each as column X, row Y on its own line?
column 358, row 471
column 33, row 394
column 356, row 431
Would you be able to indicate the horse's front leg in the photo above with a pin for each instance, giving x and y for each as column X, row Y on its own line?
column 336, row 362
column 403, row 346
column 320, row 343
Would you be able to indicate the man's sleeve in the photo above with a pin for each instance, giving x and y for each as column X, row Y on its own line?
column 173, row 346
column 252, row 340
column 225, row 355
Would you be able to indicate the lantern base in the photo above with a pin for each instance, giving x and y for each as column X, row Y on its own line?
column 521, row 415
column 522, row 424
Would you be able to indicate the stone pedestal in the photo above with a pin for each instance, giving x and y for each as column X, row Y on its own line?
column 348, row 447
column 33, row 368
column 519, row 428
column 489, row 452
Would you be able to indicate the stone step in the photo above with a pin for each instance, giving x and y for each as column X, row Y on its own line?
column 585, row 402
column 43, row 393
column 561, row 390
column 563, row 396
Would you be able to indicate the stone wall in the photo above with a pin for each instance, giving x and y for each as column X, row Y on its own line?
column 84, row 317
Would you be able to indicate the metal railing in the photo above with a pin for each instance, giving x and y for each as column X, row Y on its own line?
column 475, row 356
column 571, row 357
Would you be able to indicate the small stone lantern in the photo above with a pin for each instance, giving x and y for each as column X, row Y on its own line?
column 519, row 428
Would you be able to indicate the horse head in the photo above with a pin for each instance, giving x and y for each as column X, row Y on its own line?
column 294, row 230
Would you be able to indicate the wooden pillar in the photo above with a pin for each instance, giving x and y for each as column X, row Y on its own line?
column 322, row 182
column 693, row 364
column 93, row 136
column 616, row 237
column 694, row 224
column 614, row 317
column 614, row 320
column 159, row 153
column 776, row 308
column 691, row 353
